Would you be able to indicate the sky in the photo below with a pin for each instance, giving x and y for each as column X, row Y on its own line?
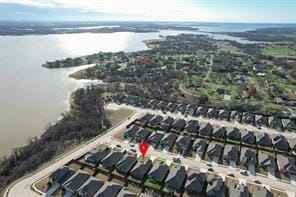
column 246, row 11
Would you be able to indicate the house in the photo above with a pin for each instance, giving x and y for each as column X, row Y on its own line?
column 145, row 119
column 261, row 121
column 238, row 190
column 248, row 137
column 214, row 152
column 289, row 124
column 153, row 104
column 280, row 143
column 131, row 133
column 219, row 133
column 179, row 125
column 206, row 130
column 287, row 165
column 260, row 191
column 158, row 172
column 126, row 164
column 94, row 158
column 191, row 110
column 201, row 111
column 155, row 121
column 266, row 162
column 111, row 159
column 276, row 123
column 109, row 189
column 72, row 186
column 233, row 134
column 224, row 115
column 140, row 170
column 172, row 107
column 183, row 144
column 236, row 116
column 249, row 118
column 142, row 135
column 216, row 186
column 125, row 193
column 192, row 127
column 263, row 140
column 162, row 105
column 248, row 158
column 181, row 108
column 231, row 154
column 91, row 188
column 168, row 141
column 155, row 138
column 195, row 183
column 167, row 123
column 176, row 178
column 199, row 145
column 213, row 113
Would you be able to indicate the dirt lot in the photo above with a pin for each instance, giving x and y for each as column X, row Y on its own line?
column 42, row 184
column 118, row 115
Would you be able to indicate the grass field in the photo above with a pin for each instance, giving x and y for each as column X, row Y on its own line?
column 280, row 50
column 118, row 115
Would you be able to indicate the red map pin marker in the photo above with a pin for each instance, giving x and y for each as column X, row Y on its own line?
column 143, row 146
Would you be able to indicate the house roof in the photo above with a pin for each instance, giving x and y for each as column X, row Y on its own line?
column 206, row 130
column 77, row 181
column 199, row 146
column 224, row 114
column 195, row 182
column 155, row 137
column 261, row 120
column 275, row 122
column 109, row 189
column 97, row 156
column 248, row 137
column 179, row 124
column 132, row 131
column 216, row 186
column 168, row 121
column 183, row 142
column 231, row 152
column 235, row 115
column 168, row 139
column 233, row 134
column 141, row 168
column 91, row 188
column 214, row 150
column 248, row 156
column 176, row 177
column 111, row 159
column 126, row 163
column 238, row 190
column 192, row 126
column 158, row 172
column 156, row 120
column 263, row 139
column 265, row 160
column 142, row 134
column 61, row 175
column 280, row 143
column 292, row 143
column 286, row 164
column 213, row 113
column 146, row 118
column 219, row 132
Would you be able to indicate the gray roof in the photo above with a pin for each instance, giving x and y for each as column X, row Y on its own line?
column 263, row 139
column 141, row 169
column 206, row 130
column 146, row 118
column 131, row 132
column 261, row 120
column 248, row 137
column 280, row 143
column 286, row 164
column 214, row 150
column 109, row 189
column 126, row 163
column 158, row 172
column 61, row 175
column 195, row 182
column 238, row 190
column 192, row 126
column 156, row 120
column 200, row 146
column 183, row 143
column 91, row 188
column 216, row 187
column 230, row 153
column 142, row 135
column 155, row 137
column 219, row 132
column 292, row 143
column 168, row 139
column 179, row 124
column 126, row 193
column 265, row 160
column 96, row 157
column 248, row 157
column 233, row 134
column 77, row 181
column 176, row 178
column 111, row 159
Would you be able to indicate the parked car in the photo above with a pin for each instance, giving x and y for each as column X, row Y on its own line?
column 245, row 173
column 257, row 181
column 231, row 175
column 210, row 169
column 176, row 160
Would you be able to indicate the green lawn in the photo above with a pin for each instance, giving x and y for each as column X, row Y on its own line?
column 152, row 185
column 280, row 50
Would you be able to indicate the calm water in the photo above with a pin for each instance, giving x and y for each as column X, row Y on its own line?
column 32, row 96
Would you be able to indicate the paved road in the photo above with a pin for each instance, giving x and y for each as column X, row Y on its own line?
column 22, row 188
